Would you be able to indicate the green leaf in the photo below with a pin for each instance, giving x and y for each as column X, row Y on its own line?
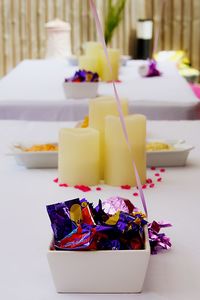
column 113, row 18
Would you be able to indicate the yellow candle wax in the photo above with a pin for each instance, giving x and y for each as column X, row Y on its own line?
column 114, row 56
column 99, row 108
column 78, row 156
column 118, row 159
column 88, row 63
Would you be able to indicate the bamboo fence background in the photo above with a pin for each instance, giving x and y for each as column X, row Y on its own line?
column 22, row 32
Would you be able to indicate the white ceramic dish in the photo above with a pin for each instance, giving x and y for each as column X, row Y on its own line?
column 169, row 158
column 78, row 90
column 124, row 59
column 49, row 159
column 72, row 60
column 31, row 160
column 121, row 271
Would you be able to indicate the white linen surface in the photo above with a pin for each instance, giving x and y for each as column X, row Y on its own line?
column 33, row 91
column 25, row 229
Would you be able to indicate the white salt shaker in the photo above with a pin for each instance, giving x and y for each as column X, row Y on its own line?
column 58, row 39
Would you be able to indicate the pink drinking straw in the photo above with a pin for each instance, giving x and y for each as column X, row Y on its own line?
column 157, row 32
column 119, row 107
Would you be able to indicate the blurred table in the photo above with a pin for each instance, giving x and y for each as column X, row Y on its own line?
column 25, row 228
column 33, row 91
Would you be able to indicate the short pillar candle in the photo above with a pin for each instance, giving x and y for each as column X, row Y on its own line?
column 114, row 57
column 88, row 63
column 118, row 159
column 78, row 156
column 99, row 108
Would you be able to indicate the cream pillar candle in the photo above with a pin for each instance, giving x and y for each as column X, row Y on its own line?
column 88, row 63
column 78, row 156
column 91, row 60
column 99, row 108
column 114, row 56
column 118, row 160
column 92, row 48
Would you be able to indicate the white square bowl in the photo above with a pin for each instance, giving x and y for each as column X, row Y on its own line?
column 111, row 271
column 78, row 90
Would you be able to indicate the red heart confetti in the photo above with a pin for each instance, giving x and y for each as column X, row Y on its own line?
column 83, row 188
column 63, row 184
column 135, row 194
column 153, row 168
column 144, row 186
column 149, row 180
column 162, row 170
column 159, row 179
column 126, row 187
column 157, row 174
column 151, row 185
column 56, row 180
column 98, row 189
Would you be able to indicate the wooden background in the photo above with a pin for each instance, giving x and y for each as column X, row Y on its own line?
column 22, row 32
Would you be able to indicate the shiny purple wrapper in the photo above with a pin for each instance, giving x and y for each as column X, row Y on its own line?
column 114, row 224
column 158, row 241
column 114, row 204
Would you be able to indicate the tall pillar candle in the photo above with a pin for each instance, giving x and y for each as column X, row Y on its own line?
column 99, row 108
column 78, row 156
column 92, row 48
column 114, row 56
column 91, row 60
column 118, row 159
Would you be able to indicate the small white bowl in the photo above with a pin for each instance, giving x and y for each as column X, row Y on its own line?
column 78, row 90
column 110, row 271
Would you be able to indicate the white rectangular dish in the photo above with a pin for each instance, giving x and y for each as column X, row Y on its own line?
column 34, row 160
column 177, row 156
column 111, row 271
column 162, row 158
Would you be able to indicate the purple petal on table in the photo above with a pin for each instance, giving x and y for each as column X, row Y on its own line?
column 149, row 69
column 83, row 76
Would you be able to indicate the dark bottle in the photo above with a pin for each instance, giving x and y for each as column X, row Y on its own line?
column 144, row 38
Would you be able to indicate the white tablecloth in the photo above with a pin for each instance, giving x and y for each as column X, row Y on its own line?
column 33, row 91
column 25, row 229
